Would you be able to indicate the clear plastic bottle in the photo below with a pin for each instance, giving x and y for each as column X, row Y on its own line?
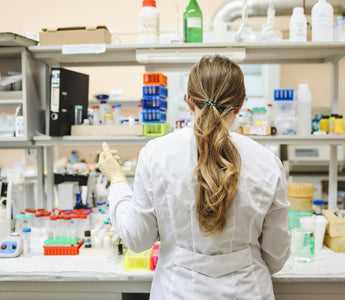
column 103, row 109
column 96, row 115
column 220, row 30
column 19, row 121
column 117, row 113
column 322, row 22
column 19, row 223
column 298, row 25
column 303, row 122
column 27, row 242
column 149, row 23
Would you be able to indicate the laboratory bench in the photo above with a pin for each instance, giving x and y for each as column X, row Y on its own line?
column 99, row 274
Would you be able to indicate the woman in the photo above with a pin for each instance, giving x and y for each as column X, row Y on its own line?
column 216, row 201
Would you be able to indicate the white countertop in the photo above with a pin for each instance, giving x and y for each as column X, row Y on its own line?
column 103, row 264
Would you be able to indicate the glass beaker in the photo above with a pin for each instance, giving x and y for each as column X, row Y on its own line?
column 302, row 238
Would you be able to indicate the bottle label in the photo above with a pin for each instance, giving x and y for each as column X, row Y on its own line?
column 193, row 22
column 148, row 26
column 20, row 126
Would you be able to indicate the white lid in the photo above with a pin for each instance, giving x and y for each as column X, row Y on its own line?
column 298, row 10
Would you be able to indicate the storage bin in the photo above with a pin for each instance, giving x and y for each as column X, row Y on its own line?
column 155, row 90
column 155, row 102
column 155, row 129
column 155, row 79
column 154, row 116
column 138, row 261
column 285, row 125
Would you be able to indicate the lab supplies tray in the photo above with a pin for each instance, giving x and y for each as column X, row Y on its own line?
column 63, row 250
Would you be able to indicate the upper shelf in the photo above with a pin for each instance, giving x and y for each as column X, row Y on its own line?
column 45, row 140
column 168, row 54
column 142, row 140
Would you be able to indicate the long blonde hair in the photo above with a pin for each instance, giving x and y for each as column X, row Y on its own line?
column 215, row 86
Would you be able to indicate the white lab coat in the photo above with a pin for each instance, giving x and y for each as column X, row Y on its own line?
column 233, row 265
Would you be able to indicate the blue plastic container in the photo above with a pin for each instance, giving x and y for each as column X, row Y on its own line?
column 155, row 90
column 155, row 102
column 283, row 95
column 154, row 116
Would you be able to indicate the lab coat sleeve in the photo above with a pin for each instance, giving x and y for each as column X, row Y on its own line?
column 132, row 213
column 275, row 239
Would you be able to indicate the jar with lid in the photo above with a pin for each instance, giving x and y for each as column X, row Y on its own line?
column 117, row 113
column 324, row 123
column 108, row 119
column 96, row 115
column 317, row 206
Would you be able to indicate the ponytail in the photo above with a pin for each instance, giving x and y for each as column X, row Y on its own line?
column 219, row 162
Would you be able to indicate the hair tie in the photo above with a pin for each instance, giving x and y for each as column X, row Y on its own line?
column 211, row 102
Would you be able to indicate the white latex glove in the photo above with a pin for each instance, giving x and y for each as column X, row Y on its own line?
column 109, row 166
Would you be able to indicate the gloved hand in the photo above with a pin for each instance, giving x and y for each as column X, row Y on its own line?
column 109, row 166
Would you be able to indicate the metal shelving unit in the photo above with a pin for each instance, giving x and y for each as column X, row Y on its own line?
column 183, row 56
column 15, row 57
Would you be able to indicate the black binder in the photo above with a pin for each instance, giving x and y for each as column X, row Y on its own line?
column 67, row 89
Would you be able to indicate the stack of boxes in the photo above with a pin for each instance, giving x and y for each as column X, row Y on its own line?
column 154, row 104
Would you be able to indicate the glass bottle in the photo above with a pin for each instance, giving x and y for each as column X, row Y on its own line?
column 271, row 33
column 245, row 32
column 192, row 23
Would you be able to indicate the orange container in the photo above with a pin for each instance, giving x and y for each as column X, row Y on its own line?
column 63, row 250
column 155, row 79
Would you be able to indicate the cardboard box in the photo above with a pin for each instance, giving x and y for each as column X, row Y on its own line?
column 105, row 130
column 336, row 225
column 336, row 244
column 75, row 35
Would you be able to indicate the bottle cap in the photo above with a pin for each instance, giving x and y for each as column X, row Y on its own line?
column 29, row 215
column 19, row 216
column 95, row 106
column 87, row 233
column 78, row 106
column 26, row 229
column 117, row 105
column 318, row 201
column 149, row 3
column 298, row 10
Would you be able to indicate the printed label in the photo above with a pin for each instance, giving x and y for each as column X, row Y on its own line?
column 148, row 26
column 194, row 22
column 55, row 91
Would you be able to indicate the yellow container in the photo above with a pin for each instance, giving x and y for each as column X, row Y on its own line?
column 339, row 125
column 324, row 123
column 138, row 261
column 336, row 244
column 336, row 225
column 300, row 195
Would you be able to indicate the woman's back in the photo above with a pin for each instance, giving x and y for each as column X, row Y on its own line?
column 187, row 255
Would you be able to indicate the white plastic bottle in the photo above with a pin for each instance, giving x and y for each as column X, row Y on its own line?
column 303, row 125
column 322, row 22
column 298, row 25
column 149, row 23
column 220, row 30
